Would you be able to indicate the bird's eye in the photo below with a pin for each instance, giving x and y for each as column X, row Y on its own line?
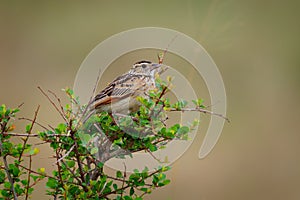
column 144, row 66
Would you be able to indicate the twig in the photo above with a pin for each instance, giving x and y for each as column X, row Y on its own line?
column 102, row 189
column 153, row 156
column 21, row 104
column 72, row 172
column 35, row 172
column 10, row 179
column 37, row 123
column 8, row 174
column 44, row 174
column 61, row 158
column 58, row 100
column 83, row 116
column 78, row 158
column 59, row 167
column 28, row 178
column 201, row 110
column 123, row 182
column 161, row 59
column 54, row 105
column 128, row 185
column 29, row 132
column 33, row 135
column 21, row 134
column 51, row 127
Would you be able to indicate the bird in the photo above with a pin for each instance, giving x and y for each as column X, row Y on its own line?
column 120, row 96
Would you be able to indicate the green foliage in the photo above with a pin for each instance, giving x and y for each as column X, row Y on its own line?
column 82, row 149
column 12, row 174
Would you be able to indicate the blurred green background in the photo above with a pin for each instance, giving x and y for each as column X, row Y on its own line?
column 255, row 44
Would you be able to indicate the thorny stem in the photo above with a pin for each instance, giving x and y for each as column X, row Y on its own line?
column 58, row 167
column 3, row 129
column 201, row 110
column 59, row 102
column 8, row 174
column 37, row 123
column 72, row 172
column 28, row 178
column 123, row 181
column 54, row 105
column 29, row 132
column 77, row 156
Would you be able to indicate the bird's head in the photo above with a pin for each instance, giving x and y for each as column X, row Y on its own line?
column 148, row 68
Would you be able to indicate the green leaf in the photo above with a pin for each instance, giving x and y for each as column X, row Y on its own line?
column 152, row 148
column 61, row 128
column 14, row 170
column 24, row 182
column 85, row 138
column 131, row 192
column 52, row 183
column 54, row 145
column 127, row 198
column 70, row 163
column 15, row 110
column 119, row 141
column 7, row 185
column 19, row 190
column 34, row 177
column 34, row 151
column 183, row 130
column 27, row 128
column 30, row 190
column 164, row 168
column 5, row 193
column 2, row 176
column 166, row 182
column 115, row 186
column 94, row 150
column 2, row 109
column 119, row 174
column 100, row 164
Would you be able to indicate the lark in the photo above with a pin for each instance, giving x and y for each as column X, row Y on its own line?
column 120, row 96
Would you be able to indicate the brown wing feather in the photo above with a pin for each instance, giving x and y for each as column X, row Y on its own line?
column 122, row 87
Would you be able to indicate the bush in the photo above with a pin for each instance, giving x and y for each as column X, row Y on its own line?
column 81, row 150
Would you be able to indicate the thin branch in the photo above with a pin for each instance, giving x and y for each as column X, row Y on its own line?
column 19, row 106
column 29, row 132
column 28, row 178
column 202, row 111
column 10, row 179
column 35, row 172
column 58, row 100
column 59, row 167
column 78, row 157
column 8, row 174
column 37, row 123
column 153, row 156
column 161, row 59
column 33, row 135
column 21, row 134
column 123, row 182
column 72, row 172
column 102, row 189
column 129, row 185
column 45, row 175
column 83, row 116
column 61, row 158
column 54, row 105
